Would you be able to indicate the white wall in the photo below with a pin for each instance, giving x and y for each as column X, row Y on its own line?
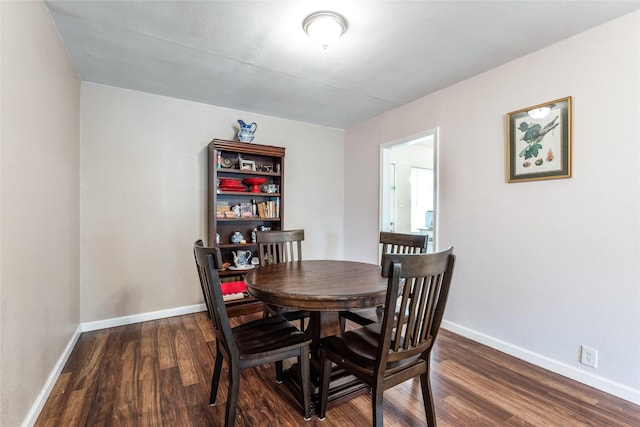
column 546, row 266
column 143, row 194
column 39, row 232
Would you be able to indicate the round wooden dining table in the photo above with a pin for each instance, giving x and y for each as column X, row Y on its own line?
column 324, row 288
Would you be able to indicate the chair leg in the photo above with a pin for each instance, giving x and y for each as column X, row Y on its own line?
column 232, row 396
column 305, row 377
column 427, row 397
column 377, row 405
column 279, row 372
column 325, row 376
column 343, row 322
column 215, row 378
column 380, row 313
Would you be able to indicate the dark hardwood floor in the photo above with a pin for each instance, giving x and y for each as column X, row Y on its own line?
column 158, row 373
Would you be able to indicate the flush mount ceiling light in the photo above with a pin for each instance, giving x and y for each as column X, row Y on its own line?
column 324, row 27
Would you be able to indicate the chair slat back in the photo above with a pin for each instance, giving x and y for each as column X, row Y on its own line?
column 401, row 243
column 423, row 281
column 279, row 246
column 209, row 261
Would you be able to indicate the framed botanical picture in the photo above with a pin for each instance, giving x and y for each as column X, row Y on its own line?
column 539, row 142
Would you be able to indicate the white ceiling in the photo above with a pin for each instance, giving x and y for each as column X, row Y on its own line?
column 254, row 56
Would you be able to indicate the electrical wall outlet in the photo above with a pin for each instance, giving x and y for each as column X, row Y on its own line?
column 589, row 356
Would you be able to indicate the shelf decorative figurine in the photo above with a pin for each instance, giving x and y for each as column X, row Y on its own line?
column 237, row 237
column 241, row 258
column 246, row 132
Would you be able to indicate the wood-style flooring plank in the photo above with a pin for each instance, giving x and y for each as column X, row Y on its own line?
column 158, row 373
column 72, row 414
column 164, row 344
column 57, row 400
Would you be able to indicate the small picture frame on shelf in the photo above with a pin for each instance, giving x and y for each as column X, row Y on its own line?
column 249, row 165
column 246, row 210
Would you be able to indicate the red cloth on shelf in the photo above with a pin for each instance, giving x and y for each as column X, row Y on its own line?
column 233, row 287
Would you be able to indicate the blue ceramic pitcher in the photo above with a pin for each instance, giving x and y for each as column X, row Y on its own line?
column 245, row 134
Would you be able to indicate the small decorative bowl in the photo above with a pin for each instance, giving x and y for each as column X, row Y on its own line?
column 256, row 183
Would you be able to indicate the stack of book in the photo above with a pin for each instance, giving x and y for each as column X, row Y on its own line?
column 269, row 209
column 223, row 210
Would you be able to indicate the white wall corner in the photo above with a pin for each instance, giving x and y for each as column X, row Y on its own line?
column 34, row 412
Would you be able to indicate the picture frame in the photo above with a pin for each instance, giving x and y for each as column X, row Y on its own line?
column 246, row 210
column 539, row 142
column 249, row 165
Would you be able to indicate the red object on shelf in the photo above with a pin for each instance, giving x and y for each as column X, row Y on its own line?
column 230, row 181
column 233, row 287
column 232, row 187
column 256, row 182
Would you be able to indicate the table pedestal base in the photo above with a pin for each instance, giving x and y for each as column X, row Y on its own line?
column 342, row 386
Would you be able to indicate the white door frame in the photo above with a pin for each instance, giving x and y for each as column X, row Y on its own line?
column 383, row 221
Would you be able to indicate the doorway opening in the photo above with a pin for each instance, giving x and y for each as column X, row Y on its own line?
column 408, row 187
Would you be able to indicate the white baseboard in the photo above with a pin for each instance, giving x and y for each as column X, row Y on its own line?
column 142, row 317
column 37, row 406
column 34, row 412
column 611, row 387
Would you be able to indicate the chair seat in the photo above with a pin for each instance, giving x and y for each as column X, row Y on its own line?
column 360, row 346
column 267, row 334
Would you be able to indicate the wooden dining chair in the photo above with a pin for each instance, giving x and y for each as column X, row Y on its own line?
column 255, row 343
column 387, row 354
column 392, row 243
column 276, row 247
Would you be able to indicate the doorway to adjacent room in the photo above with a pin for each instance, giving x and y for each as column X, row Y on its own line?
column 408, row 190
